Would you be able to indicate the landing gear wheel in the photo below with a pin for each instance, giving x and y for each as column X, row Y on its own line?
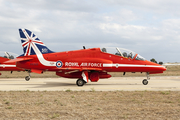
column 145, row 82
column 27, row 78
column 80, row 82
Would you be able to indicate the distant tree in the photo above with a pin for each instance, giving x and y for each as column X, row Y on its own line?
column 160, row 63
column 153, row 60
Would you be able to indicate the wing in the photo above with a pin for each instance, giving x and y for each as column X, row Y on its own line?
column 81, row 69
column 18, row 60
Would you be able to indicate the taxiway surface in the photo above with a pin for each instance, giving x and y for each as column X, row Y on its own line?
column 164, row 83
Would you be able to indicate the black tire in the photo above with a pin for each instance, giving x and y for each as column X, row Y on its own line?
column 80, row 82
column 27, row 78
column 145, row 82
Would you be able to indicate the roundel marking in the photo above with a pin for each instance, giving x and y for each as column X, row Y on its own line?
column 59, row 64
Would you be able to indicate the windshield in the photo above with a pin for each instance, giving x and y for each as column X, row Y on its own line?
column 138, row 57
column 122, row 52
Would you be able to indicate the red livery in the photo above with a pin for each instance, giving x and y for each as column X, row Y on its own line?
column 85, row 64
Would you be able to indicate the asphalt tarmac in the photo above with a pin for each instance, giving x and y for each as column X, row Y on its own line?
column 163, row 83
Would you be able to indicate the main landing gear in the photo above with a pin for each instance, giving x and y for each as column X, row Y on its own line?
column 145, row 81
column 27, row 78
column 80, row 82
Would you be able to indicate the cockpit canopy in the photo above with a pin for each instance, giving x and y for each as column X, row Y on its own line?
column 8, row 55
column 122, row 52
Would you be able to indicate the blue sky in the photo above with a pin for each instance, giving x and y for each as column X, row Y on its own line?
column 150, row 28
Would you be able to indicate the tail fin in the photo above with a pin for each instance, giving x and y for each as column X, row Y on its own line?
column 31, row 43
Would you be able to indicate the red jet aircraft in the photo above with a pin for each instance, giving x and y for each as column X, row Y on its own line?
column 85, row 64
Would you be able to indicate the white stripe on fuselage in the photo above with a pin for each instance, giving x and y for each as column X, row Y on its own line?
column 128, row 65
column 3, row 65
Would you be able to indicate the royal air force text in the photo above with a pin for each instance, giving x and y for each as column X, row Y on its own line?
column 76, row 64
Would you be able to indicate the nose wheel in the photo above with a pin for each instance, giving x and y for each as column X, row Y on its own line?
column 27, row 78
column 145, row 81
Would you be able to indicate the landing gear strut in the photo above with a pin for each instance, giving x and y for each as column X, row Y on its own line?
column 27, row 78
column 80, row 82
column 145, row 81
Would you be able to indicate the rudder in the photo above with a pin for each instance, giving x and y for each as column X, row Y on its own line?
column 31, row 43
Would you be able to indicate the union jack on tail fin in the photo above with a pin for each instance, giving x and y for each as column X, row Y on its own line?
column 31, row 43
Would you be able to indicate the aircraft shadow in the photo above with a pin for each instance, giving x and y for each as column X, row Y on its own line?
column 60, row 84
column 9, row 80
column 64, row 84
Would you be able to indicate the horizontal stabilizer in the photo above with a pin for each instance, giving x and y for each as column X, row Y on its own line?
column 18, row 60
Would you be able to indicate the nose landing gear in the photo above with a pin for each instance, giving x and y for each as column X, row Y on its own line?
column 27, row 78
column 145, row 81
